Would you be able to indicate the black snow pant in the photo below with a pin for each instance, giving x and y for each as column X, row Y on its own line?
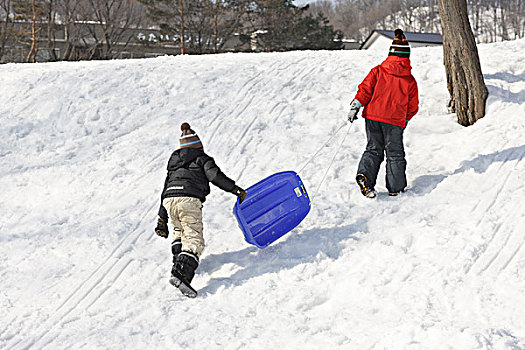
column 383, row 138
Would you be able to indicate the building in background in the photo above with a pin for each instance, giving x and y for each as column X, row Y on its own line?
column 382, row 39
column 86, row 41
column 351, row 44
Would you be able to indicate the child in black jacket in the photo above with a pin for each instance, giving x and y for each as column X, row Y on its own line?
column 190, row 171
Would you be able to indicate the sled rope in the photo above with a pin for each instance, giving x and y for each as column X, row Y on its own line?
column 331, row 162
column 323, row 146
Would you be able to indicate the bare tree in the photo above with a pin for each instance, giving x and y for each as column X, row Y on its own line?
column 50, row 11
column 516, row 18
column 229, row 17
column 204, row 24
column 180, row 8
column 35, row 33
column 114, row 19
column 347, row 19
column 208, row 23
column 69, row 11
column 104, row 28
column 466, row 86
column 5, row 10
column 326, row 7
column 199, row 26
column 492, row 20
column 28, row 12
column 169, row 15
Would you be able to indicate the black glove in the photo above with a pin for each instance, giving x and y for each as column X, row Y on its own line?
column 355, row 106
column 239, row 192
column 162, row 228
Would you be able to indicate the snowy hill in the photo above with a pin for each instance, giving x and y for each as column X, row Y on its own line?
column 83, row 150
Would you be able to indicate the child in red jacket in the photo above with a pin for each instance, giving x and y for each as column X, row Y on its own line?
column 390, row 99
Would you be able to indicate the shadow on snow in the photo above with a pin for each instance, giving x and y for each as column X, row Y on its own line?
column 300, row 248
column 427, row 183
column 315, row 244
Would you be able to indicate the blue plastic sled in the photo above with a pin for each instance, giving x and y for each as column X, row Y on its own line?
column 272, row 207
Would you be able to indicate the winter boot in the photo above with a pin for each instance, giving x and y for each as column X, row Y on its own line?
column 183, row 272
column 393, row 194
column 366, row 190
column 176, row 248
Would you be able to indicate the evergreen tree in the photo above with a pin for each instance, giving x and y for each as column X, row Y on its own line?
column 315, row 33
column 288, row 27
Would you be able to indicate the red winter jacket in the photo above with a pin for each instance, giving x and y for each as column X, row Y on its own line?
column 389, row 92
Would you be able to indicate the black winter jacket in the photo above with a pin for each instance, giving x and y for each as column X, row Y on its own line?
column 190, row 172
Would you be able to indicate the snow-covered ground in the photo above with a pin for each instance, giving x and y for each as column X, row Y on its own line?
column 83, row 150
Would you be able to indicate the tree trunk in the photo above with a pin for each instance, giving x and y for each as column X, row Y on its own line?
column 215, row 26
column 466, row 86
column 6, row 6
column 31, row 56
column 181, row 9
column 51, row 30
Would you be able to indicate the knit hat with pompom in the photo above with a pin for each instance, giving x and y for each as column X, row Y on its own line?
column 399, row 47
column 189, row 138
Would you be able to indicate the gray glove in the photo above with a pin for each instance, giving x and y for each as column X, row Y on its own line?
column 355, row 106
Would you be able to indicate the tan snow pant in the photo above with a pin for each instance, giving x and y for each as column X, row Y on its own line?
column 186, row 217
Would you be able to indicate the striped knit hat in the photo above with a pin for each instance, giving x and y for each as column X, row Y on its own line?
column 400, row 47
column 189, row 138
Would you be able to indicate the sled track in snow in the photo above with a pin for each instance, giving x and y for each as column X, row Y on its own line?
column 90, row 290
column 245, row 102
column 505, row 243
column 514, row 253
column 240, row 107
